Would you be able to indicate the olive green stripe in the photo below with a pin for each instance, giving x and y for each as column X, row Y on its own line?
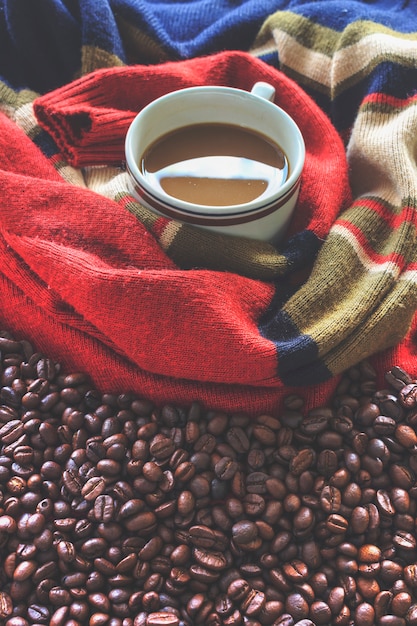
column 146, row 216
column 15, row 99
column 94, row 58
column 308, row 34
column 356, row 31
column 382, row 107
column 192, row 248
column 323, row 39
column 253, row 259
column 381, row 237
column 344, row 290
column 140, row 47
column 382, row 328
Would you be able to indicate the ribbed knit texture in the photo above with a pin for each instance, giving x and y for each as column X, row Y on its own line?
column 174, row 313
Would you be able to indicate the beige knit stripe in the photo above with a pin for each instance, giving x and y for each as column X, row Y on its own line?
column 348, row 65
column 409, row 276
column 372, row 49
column 167, row 237
column 25, row 118
column 106, row 180
column 71, row 175
column 331, row 59
column 381, row 155
column 306, row 62
column 352, row 62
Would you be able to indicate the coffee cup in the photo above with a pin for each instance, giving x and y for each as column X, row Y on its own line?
column 220, row 158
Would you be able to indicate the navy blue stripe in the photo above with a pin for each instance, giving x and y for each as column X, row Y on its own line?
column 45, row 142
column 387, row 78
column 301, row 249
column 298, row 362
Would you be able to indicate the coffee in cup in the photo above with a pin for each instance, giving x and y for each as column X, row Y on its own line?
column 215, row 164
column 219, row 158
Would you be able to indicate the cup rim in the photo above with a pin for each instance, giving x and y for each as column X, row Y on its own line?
column 205, row 210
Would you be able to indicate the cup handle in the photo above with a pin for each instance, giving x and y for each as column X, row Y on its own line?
column 264, row 90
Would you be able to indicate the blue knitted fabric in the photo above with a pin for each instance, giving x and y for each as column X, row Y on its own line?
column 42, row 43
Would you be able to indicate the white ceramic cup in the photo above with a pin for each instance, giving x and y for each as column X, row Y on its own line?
column 265, row 218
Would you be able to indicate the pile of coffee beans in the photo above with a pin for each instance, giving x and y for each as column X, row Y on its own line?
column 118, row 513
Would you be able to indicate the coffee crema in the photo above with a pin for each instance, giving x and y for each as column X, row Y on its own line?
column 215, row 164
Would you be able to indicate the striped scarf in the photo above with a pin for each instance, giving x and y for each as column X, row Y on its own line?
column 176, row 313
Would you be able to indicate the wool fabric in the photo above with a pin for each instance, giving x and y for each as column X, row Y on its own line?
column 147, row 304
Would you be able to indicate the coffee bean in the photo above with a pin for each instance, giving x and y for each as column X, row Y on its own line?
column 116, row 512
column 401, row 603
column 238, row 590
column 215, row 561
column 320, row 612
column 6, row 605
column 226, row 468
column 297, row 606
column 330, row 499
column 337, row 523
column 392, row 620
column 404, row 540
column 162, row 619
column 253, row 603
column 244, row 531
column 238, row 439
column 365, row 614
column 296, row 570
column 369, row 553
column 302, row 461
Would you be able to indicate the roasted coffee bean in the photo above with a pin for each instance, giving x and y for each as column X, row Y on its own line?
column 302, row 461
column 365, row 614
column 253, row 603
column 238, row 590
column 238, row 439
column 6, row 605
column 244, row 531
column 162, row 619
column 296, row 571
column 115, row 512
column 297, row 606
column 226, row 468
column 330, row 499
column 337, row 523
column 404, row 540
column 215, row 561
